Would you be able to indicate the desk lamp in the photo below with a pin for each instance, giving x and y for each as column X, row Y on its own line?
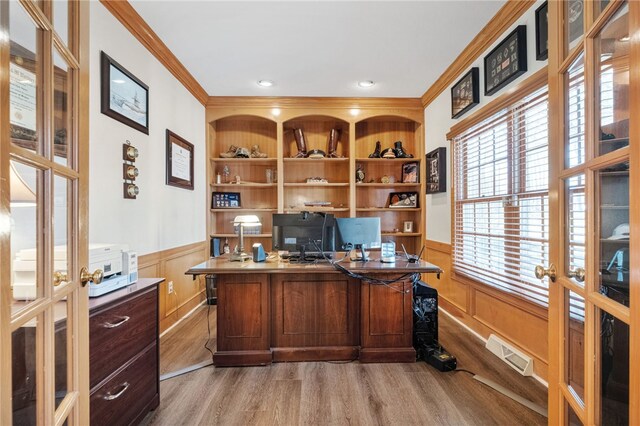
column 241, row 222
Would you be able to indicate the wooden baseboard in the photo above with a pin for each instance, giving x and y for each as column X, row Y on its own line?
column 327, row 353
column 387, row 355
column 171, row 265
column 242, row 359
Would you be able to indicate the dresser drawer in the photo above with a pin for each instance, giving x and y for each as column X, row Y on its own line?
column 122, row 399
column 119, row 332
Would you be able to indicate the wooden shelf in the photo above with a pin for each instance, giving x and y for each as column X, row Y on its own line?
column 244, row 185
column 317, row 209
column 388, row 209
column 387, row 185
column 401, row 234
column 315, row 160
column 387, row 160
column 317, row 185
column 243, row 210
column 245, row 160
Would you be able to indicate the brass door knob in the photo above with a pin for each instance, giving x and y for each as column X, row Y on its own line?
column 59, row 278
column 550, row 272
column 85, row 276
column 578, row 274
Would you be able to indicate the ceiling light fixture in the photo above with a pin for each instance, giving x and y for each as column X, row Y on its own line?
column 275, row 112
column 265, row 83
column 354, row 111
column 366, row 83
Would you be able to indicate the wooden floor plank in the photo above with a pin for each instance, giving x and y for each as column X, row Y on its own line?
column 325, row 393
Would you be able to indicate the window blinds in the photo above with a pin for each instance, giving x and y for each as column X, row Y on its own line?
column 501, row 205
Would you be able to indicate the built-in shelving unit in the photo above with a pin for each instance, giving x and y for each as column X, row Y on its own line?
column 244, row 122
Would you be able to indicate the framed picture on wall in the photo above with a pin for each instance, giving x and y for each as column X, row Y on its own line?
column 507, row 61
column 542, row 32
column 465, row 94
column 179, row 162
column 437, row 171
column 122, row 96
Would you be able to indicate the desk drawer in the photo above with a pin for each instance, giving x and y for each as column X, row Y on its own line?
column 118, row 333
column 122, row 399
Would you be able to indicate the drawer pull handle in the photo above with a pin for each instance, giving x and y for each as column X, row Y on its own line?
column 116, row 324
column 110, row 397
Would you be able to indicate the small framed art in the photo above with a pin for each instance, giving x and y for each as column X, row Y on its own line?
column 179, row 162
column 465, row 94
column 403, row 200
column 225, row 200
column 507, row 61
column 410, row 172
column 542, row 32
column 122, row 96
column 437, row 171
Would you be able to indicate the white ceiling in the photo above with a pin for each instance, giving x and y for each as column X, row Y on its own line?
column 317, row 48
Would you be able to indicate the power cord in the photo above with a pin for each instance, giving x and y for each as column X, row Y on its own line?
column 206, row 344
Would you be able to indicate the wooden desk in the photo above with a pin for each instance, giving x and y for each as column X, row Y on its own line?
column 271, row 312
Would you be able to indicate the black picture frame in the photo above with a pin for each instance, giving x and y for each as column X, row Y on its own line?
column 403, row 200
column 179, row 170
column 411, row 172
column 542, row 32
column 465, row 94
column 225, row 200
column 500, row 71
column 123, row 97
column 437, row 171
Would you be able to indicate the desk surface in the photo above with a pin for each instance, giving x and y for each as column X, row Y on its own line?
column 222, row 265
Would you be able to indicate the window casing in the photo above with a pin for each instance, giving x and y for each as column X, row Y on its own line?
column 501, row 204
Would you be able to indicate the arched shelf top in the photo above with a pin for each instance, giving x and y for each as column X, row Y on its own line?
column 316, row 118
column 267, row 118
column 373, row 117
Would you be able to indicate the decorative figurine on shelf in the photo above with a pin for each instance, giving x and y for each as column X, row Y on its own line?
column 399, row 151
column 301, row 143
column 231, row 152
column 376, row 153
column 225, row 174
column 255, row 152
column 225, row 248
column 360, row 174
column 332, row 143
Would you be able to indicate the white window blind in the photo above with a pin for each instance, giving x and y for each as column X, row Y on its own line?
column 501, row 223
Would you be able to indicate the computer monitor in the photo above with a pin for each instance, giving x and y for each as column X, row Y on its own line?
column 306, row 232
column 358, row 233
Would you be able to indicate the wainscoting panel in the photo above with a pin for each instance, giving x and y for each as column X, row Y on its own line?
column 171, row 264
column 486, row 310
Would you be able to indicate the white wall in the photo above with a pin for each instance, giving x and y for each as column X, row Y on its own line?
column 162, row 216
column 438, row 121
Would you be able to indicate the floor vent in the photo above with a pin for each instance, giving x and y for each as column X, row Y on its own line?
column 520, row 362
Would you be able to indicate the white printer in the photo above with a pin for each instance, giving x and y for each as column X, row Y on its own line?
column 108, row 257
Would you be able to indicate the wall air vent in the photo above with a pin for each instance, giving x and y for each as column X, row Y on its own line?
column 520, row 362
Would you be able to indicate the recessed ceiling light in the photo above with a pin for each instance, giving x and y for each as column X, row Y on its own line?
column 365, row 83
column 275, row 112
column 265, row 83
column 355, row 111
column 118, row 81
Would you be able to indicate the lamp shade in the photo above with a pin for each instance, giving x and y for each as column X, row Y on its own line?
column 247, row 220
column 21, row 194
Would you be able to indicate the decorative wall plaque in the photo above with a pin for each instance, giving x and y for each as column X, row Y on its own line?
column 506, row 62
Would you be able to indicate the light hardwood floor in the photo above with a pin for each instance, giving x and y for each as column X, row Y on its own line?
column 323, row 393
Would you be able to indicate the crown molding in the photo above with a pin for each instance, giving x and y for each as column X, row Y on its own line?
column 132, row 21
column 506, row 16
column 312, row 102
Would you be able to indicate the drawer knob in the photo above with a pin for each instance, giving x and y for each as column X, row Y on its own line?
column 116, row 324
column 110, row 397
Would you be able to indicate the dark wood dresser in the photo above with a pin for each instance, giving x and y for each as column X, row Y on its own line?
column 124, row 354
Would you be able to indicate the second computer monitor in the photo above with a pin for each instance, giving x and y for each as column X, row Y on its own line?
column 358, row 232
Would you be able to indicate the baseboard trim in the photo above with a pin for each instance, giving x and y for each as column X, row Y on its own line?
column 542, row 381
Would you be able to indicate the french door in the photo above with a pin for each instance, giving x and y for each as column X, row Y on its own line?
column 44, row 346
column 594, row 83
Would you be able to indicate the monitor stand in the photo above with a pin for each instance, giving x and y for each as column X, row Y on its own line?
column 359, row 255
